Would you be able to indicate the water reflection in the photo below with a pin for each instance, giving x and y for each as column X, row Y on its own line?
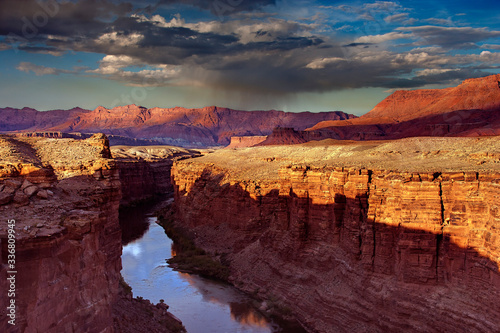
column 134, row 223
column 204, row 306
column 245, row 314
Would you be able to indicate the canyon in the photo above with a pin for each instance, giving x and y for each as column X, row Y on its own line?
column 145, row 171
column 344, row 236
column 355, row 236
column 62, row 198
column 384, row 223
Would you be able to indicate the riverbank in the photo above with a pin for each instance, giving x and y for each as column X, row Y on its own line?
column 192, row 259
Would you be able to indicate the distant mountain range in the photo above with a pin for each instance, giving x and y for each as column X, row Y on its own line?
column 470, row 109
column 208, row 126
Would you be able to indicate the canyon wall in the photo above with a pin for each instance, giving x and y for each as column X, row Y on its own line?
column 245, row 141
column 64, row 200
column 145, row 171
column 354, row 249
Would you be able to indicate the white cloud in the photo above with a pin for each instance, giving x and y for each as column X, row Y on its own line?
column 323, row 62
column 112, row 67
column 435, row 71
column 117, row 39
column 112, row 64
column 440, row 21
column 382, row 38
column 396, row 18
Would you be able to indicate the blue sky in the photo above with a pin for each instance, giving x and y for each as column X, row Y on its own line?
column 292, row 55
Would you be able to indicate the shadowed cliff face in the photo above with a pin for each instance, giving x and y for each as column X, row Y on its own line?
column 145, row 171
column 355, row 250
column 64, row 196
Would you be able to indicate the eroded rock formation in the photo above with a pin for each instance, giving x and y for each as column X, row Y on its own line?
column 245, row 141
column 145, row 171
column 355, row 249
column 472, row 94
column 470, row 109
column 63, row 196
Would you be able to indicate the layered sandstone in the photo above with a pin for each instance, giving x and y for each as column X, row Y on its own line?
column 470, row 109
column 63, row 195
column 379, row 237
column 245, row 141
column 145, row 171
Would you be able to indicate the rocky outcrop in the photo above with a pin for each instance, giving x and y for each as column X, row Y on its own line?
column 245, row 141
column 470, row 109
column 472, row 94
column 145, row 171
column 351, row 249
column 208, row 126
column 60, row 199
column 63, row 197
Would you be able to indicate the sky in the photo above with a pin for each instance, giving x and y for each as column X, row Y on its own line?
column 291, row 55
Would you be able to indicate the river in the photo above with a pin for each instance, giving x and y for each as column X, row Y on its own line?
column 203, row 306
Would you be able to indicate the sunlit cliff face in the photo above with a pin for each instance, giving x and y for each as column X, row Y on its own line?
column 352, row 226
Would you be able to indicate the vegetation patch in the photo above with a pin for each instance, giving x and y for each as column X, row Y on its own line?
column 189, row 258
column 125, row 286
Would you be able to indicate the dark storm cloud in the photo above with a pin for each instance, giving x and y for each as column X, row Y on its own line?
column 40, row 49
column 180, row 45
column 451, row 37
column 252, row 54
column 30, row 18
column 358, row 44
column 281, row 44
column 221, row 7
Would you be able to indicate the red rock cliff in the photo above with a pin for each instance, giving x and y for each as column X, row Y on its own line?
column 145, row 171
column 64, row 196
column 354, row 249
column 245, row 141
column 471, row 94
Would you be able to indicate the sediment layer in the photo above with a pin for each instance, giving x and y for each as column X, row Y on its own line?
column 63, row 195
column 145, row 171
column 412, row 247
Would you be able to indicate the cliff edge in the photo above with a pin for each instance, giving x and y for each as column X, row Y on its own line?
column 355, row 237
column 60, row 240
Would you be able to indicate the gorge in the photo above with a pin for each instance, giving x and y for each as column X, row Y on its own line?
column 380, row 237
column 61, row 197
column 344, row 236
